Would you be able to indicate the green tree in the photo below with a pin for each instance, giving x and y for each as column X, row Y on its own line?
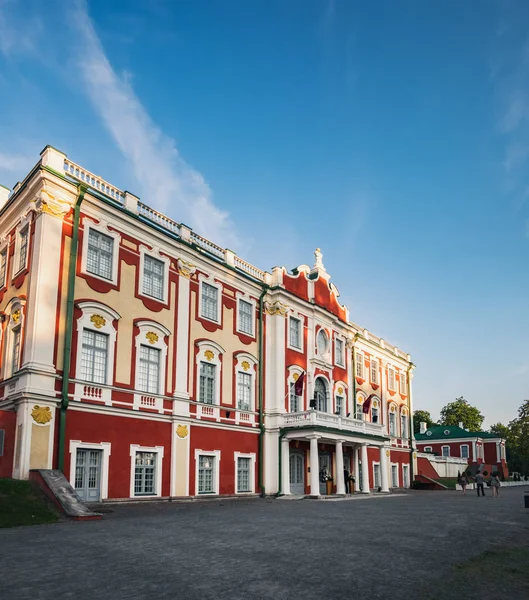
column 500, row 430
column 420, row 416
column 518, row 441
column 461, row 411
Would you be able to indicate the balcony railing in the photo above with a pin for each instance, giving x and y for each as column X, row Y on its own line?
column 315, row 417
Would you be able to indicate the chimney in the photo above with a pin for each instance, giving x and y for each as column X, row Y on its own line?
column 423, row 427
column 461, row 424
column 4, row 195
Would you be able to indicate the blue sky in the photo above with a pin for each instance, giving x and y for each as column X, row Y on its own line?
column 393, row 135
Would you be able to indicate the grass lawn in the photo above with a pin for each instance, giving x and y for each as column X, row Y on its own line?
column 24, row 503
column 450, row 482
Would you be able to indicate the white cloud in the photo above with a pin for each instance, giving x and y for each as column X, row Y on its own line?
column 168, row 183
column 15, row 162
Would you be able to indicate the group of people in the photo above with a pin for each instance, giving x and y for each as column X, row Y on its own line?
column 479, row 480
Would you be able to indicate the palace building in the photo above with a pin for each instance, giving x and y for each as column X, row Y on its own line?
column 145, row 361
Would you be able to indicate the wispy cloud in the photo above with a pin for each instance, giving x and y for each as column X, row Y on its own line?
column 167, row 181
column 17, row 35
column 15, row 162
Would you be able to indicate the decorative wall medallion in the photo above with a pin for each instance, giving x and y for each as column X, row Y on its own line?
column 245, row 365
column 296, row 443
column 181, row 431
column 295, row 377
column 415, row 455
column 98, row 321
column 340, row 390
column 392, row 409
column 277, row 308
column 16, row 315
column 41, row 414
column 152, row 337
column 209, row 355
column 185, row 269
column 359, row 400
column 375, row 403
column 388, row 453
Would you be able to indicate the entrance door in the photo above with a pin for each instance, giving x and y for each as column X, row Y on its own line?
column 325, row 469
column 297, row 473
column 88, row 475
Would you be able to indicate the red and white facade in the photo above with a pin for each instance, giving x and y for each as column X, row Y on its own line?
column 183, row 357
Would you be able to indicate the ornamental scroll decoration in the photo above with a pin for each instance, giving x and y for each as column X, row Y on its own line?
column 50, row 205
column 16, row 315
column 98, row 321
column 152, row 337
column 41, row 414
column 388, row 453
column 209, row 354
column 340, row 390
column 181, row 431
column 276, row 308
column 245, row 365
column 185, row 268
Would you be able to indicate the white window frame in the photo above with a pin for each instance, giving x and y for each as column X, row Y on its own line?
column 404, row 432
column 295, row 370
column 391, row 376
column 339, row 357
column 361, row 396
column 4, row 251
column 252, row 302
column 106, row 447
column 203, row 347
column 146, row 328
column 12, row 326
column 103, row 229
column 375, row 379
column 405, row 476
column 323, row 355
column 443, row 453
column 166, row 262
column 251, row 456
column 359, row 362
column 344, row 395
column 159, row 450
column 461, row 451
column 216, row 479
column 375, row 486
column 242, row 358
column 396, row 467
column 402, row 383
column 428, row 449
column 23, row 227
column 394, row 413
column 211, row 282
column 299, row 318
column 376, row 405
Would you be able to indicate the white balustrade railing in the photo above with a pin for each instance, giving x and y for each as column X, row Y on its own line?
column 209, row 411
column 93, row 180
column 158, row 218
column 315, row 417
column 205, row 244
column 248, row 268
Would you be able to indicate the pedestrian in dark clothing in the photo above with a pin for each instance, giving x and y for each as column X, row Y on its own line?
column 346, row 479
column 479, row 483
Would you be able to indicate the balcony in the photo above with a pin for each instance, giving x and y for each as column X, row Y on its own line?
column 322, row 419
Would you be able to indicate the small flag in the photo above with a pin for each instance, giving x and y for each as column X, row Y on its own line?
column 298, row 386
column 367, row 405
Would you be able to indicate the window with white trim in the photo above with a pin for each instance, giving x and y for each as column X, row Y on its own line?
column 244, row 390
column 15, row 356
column 208, row 373
column 244, row 474
column 403, row 390
column 322, row 342
column 338, row 349
column 394, row 476
column 359, row 408
column 295, row 401
column 149, row 370
column 405, row 476
column 295, row 332
column 100, row 254
column 94, row 356
column 374, row 413
column 360, row 365
column 391, row 378
column 153, row 277
column 207, row 465
column 392, row 424
column 340, row 405
column 374, row 370
column 404, row 426
column 3, row 268
column 464, row 450
column 246, row 316
column 145, row 474
column 428, row 449
column 210, row 302
column 376, row 475
column 23, row 248
column 445, row 450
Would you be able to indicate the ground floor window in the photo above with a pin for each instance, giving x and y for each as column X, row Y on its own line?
column 376, row 473
column 464, row 451
column 405, row 476
column 145, row 474
column 446, row 450
column 394, row 476
column 206, row 474
column 243, row 474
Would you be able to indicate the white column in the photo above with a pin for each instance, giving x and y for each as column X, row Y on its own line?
column 365, row 470
column 340, row 483
column 181, row 390
column 314, row 467
column 384, row 469
column 285, row 466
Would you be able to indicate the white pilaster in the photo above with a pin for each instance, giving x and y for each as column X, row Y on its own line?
column 355, row 467
column 384, row 484
column 285, row 466
column 340, row 482
column 365, row 471
column 314, row 467
column 182, row 340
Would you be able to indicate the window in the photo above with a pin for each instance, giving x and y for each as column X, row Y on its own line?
column 374, row 414
column 100, row 254
column 404, row 426
column 207, row 383
column 374, row 370
column 246, row 317
column 153, row 277
column 94, row 356
column 360, row 365
column 149, row 372
column 23, row 252
column 359, row 409
column 392, row 424
column 15, row 356
column 405, row 478
column 464, row 451
column 295, row 333
column 403, row 383
column 394, row 476
column 243, row 474
column 339, row 352
column 320, row 394
column 322, row 342
column 446, row 450
column 428, row 449
column 206, row 474
column 340, row 405
column 3, row 267
column 210, row 300
column 244, row 391
column 145, row 474
column 294, row 400
column 391, row 378
column 376, row 473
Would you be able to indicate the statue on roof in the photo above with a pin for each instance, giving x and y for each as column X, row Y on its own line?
column 319, row 260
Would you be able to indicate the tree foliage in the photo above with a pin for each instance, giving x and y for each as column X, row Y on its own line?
column 460, row 411
column 518, row 440
column 420, row 416
column 500, row 430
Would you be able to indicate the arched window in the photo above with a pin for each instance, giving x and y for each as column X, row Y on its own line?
column 322, row 341
column 321, row 394
column 13, row 338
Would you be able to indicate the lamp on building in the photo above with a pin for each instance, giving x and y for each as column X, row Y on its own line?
column 312, row 403
column 348, row 414
column 228, row 414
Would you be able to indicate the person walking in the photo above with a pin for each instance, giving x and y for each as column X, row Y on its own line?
column 463, row 482
column 478, row 478
column 495, row 484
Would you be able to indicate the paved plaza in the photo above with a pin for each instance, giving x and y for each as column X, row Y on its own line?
column 379, row 547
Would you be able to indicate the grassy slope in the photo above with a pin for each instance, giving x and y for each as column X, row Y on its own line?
column 24, row 503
